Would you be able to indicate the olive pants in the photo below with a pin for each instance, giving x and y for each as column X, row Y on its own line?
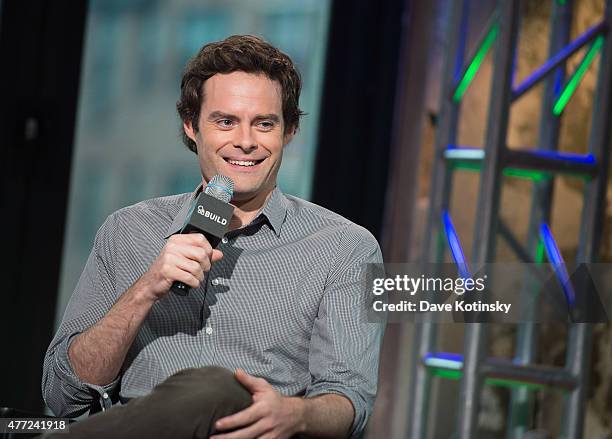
column 186, row 405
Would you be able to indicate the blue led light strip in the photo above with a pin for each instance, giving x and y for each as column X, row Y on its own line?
column 445, row 360
column 587, row 159
column 554, row 256
column 455, row 245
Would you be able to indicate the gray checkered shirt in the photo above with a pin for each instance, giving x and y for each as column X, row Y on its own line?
column 286, row 303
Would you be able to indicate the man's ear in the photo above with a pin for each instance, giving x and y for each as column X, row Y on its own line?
column 188, row 128
column 288, row 136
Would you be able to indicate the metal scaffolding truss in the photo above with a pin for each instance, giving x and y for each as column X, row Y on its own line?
column 541, row 165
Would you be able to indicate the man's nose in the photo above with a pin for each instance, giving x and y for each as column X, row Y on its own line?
column 244, row 139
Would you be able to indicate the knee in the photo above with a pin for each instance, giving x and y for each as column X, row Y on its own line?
column 196, row 374
column 211, row 384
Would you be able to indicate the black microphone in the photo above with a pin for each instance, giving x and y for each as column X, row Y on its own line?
column 210, row 215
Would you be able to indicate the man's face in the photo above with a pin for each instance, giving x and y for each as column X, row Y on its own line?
column 240, row 132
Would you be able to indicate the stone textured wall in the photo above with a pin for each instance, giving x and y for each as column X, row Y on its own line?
column 516, row 193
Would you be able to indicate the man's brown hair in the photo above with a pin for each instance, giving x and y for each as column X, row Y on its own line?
column 245, row 53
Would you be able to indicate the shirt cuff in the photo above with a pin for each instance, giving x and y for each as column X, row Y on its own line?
column 361, row 408
column 83, row 389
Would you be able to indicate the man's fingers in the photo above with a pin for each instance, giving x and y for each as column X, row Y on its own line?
column 196, row 247
column 187, row 278
column 253, row 431
column 189, row 238
column 190, row 251
column 190, row 266
column 201, row 241
column 253, row 384
column 241, row 419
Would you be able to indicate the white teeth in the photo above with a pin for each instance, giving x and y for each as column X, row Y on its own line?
column 241, row 163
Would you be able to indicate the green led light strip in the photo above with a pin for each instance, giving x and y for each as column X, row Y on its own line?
column 527, row 174
column 574, row 81
column 496, row 382
column 476, row 62
column 540, row 252
column 508, row 172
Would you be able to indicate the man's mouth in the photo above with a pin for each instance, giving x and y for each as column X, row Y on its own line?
column 244, row 163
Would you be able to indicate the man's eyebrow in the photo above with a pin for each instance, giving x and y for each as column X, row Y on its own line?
column 218, row 114
column 273, row 117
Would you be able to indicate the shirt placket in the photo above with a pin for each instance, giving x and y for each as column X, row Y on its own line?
column 215, row 279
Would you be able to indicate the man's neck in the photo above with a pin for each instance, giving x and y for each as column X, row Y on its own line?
column 246, row 211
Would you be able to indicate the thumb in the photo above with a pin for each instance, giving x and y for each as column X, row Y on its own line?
column 216, row 255
column 253, row 384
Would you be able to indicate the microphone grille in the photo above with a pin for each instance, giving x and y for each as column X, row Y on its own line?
column 220, row 187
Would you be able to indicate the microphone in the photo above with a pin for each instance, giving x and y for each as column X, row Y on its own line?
column 210, row 215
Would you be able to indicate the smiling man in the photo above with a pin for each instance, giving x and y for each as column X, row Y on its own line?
column 271, row 341
column 241, row 133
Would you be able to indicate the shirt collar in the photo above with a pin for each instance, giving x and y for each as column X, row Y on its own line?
column 275, row 211
column 179, row 219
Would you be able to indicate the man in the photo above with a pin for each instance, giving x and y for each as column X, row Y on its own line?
column 279, row 302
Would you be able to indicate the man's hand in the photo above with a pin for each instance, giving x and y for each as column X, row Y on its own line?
column 271, row 415
column 184, row 258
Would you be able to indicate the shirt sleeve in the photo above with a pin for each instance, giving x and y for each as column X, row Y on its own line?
column 344, row 347
column 63, row 391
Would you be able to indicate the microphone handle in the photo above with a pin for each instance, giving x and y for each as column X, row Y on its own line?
column 179, row 288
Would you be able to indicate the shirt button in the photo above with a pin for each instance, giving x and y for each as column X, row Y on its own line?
column 224, row 240
column 215, row 282
column 105, row 396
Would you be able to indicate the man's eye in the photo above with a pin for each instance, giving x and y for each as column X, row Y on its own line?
column 225, row 122
column 266, row 125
